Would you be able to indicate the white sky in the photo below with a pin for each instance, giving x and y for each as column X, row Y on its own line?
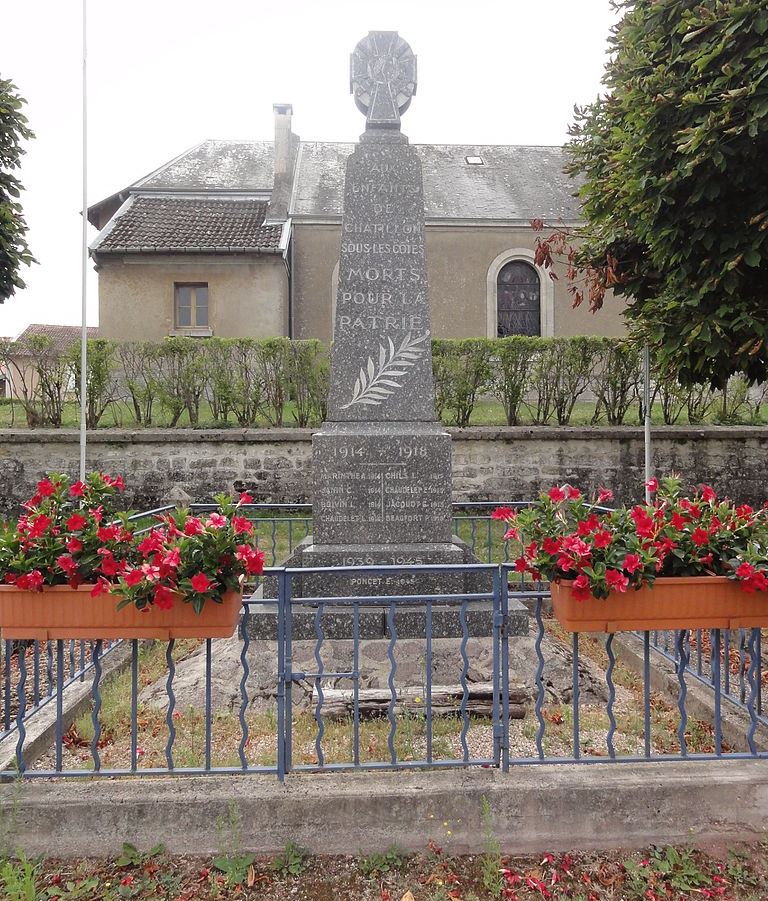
column 166, row 74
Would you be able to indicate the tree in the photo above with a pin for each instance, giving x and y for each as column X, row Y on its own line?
column 673, row 163
column 13, row 229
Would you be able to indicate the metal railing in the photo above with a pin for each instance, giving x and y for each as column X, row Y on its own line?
column 292, row 678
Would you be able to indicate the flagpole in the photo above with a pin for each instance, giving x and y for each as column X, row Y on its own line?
column 647, row 409
column 84, row 262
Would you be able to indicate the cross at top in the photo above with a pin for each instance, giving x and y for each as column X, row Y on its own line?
column 383, row 78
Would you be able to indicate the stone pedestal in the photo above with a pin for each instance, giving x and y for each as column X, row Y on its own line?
column 379, row 482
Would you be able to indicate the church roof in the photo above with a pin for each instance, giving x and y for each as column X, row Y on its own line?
column 213, row 198
column 189, row 224
column 246, row 166
column 511, row 182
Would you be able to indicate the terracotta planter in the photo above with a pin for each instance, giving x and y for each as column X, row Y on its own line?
column 63, row 612
column 696, row 602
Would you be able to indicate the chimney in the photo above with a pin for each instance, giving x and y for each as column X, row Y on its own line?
column 286, row 147
column 283, row 155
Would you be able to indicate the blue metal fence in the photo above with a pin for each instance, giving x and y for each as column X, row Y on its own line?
column 501, row 591
column 36, row 675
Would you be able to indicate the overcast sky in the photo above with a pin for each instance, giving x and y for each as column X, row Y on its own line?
column 165, row 74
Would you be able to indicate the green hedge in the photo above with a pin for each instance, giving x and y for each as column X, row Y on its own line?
column 276, row 381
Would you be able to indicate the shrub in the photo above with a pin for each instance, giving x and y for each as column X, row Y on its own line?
column 274, row 358
column 181, row 378
column 562, row 372
column 616, row 378
column 462, row 371
column 511, row 373
column 101, row 385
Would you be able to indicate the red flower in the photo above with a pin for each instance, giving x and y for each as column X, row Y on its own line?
column 511, row 534
column 163, row 598
column 700, row 537
column 521, row 565
column 744, row 511
column 245, row 498
column 74, row 545
column 605, row 495
column 193, row 526
column 643, row 522
column 580, row 590
column 39, row 525
column 101, row 587
column 503, row 513
column 109, row 566
column 77, row 489
column 30, row 581
column 678, row 522
column 114, row 482
column 631, row 563
column 76, row 522
column 566, row 563
column 652, row 485
column 253, row 559
column 66, row 563
column 151, row 544
column 552, row 545
column 107, row 533
column 616, row 580
column 557, row 494
column 708, row 494
column 200, row 583
column 133, row 577
column 587, row 526
column 603, row 538
column 216, row 521
column 575, row 545
column 745, row 570
column 242, row 526
column 573, row 493
column 45, row 488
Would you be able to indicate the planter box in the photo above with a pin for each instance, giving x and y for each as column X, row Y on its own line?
column 695, row 602
column 63, row 612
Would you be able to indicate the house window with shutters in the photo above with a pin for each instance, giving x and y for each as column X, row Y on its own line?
column 518, row 300
column 190, row 305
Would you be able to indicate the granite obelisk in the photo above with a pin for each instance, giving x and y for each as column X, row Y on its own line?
column 381, row 460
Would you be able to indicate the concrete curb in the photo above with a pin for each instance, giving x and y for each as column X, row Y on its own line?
column 535, row 808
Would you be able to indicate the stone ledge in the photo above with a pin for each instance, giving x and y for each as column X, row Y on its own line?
column 297, row 435
column 535, row 808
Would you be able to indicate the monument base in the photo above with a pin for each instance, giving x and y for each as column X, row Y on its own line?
column 410, row 621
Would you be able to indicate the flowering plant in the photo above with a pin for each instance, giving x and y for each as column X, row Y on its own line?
column 565, row 536
column 193, row 558
column 63, row 537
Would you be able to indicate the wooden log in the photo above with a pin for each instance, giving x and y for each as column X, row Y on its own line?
column 446, row 699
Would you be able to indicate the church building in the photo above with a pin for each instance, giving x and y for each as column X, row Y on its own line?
column 242, row 238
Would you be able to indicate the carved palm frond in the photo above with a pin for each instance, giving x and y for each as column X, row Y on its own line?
column 376, row 382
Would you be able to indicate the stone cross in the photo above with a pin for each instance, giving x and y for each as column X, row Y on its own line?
column 383, row 78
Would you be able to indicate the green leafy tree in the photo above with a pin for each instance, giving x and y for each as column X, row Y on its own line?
column 674, row 184
column 14, row 250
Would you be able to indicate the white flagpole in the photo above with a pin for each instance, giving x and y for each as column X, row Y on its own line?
column 84, row 261
column 647, row 408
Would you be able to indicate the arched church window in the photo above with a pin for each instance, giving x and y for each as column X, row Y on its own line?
column 518, row 300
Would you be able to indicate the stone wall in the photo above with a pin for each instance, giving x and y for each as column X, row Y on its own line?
column 488, row 463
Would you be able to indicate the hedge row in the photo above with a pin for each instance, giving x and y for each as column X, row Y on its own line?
column 251, row 382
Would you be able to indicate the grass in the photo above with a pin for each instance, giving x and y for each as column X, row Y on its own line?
column 667, row 872
column 487, row 412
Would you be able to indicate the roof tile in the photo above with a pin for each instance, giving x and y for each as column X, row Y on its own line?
column 190, row 224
